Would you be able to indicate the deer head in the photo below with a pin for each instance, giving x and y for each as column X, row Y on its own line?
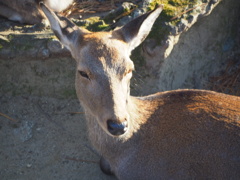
column 104, row 68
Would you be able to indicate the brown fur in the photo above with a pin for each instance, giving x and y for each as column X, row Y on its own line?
column 181, row 134
column 177, row 135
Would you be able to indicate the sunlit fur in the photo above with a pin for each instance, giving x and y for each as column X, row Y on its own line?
column 180, row 134
column 106, row 93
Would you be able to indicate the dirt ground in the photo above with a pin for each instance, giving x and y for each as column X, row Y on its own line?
column 46, row 137
column 48, row 141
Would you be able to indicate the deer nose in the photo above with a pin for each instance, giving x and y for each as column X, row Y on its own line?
column 116, row 128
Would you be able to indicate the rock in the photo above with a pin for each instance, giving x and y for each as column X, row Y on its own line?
column 192, row 52
column 186, row 21
column 29, row 165
column 24, row 132
column 54, row 46
column 43, row 53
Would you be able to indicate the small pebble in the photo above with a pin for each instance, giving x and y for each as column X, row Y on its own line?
column 29, row 165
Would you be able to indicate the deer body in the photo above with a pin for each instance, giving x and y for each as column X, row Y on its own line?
column 181, row 134
column 176, row 135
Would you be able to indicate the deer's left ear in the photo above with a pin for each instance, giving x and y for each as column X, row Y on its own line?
column 135, row 32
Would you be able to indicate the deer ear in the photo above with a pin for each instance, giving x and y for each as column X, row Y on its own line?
column 135, row 32
column 66, row 31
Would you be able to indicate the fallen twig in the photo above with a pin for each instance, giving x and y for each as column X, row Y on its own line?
column 6, row 116
column 228, row 81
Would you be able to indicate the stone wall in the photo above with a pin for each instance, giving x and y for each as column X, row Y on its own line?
column 197, row 54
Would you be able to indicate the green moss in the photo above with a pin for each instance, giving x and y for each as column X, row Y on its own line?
column 10, row 37
column 92, row 24
column 52, row 38
column 99, row 26
column 127, row 9
column 3, row 42
column 172, row 7
column 22, row 47
column 182, row 2
column 18, row 43
column 169, row 15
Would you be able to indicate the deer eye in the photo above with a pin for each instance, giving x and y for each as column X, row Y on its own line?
column 83, row 74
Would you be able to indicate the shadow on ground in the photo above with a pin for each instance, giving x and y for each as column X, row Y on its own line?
column 49, row 141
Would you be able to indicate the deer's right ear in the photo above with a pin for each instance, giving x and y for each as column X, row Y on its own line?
column 66, row 31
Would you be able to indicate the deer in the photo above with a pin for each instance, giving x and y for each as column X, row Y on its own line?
column 177, row 134
column 27, row 11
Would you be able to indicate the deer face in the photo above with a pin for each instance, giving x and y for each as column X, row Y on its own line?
column 104, row 68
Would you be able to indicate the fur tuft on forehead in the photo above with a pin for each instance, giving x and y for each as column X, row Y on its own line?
column 102, row 45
